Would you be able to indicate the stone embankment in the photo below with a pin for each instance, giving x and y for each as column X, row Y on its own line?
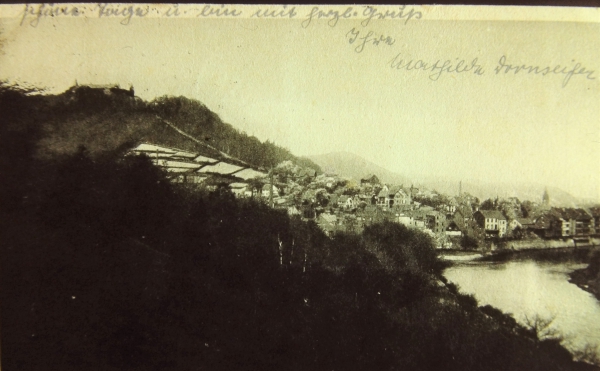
column 549, row 244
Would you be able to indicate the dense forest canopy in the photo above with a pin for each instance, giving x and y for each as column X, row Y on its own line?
column 108, row 118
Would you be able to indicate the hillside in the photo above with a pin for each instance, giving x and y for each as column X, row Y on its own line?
column 353, row 166
column 523, row 191
column 349, row 165
column 109, row 118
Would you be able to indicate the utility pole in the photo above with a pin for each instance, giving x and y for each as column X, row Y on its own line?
column 271, row 190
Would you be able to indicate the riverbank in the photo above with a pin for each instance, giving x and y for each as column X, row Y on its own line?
column 527, row 289
column 588, row 278
column 579, row 255
column 450, row 256
column 546, row 244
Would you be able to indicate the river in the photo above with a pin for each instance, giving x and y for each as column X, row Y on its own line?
column 527, row 289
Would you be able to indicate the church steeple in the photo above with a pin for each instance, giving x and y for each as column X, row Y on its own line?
column 546, row 197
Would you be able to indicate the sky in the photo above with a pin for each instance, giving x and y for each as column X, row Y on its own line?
column 315, row 90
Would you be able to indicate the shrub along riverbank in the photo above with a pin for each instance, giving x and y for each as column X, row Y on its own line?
column 109, row 266
column 589, row 278
column 578, row 255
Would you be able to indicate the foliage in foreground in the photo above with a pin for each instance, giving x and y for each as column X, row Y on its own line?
column 106, row 265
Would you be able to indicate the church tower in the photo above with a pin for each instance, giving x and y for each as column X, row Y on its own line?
column 546, row 198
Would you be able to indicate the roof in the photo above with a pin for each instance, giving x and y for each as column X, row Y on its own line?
column 401, row 192
column 395, row 189
column 249, row 174
column 176, row 164
column 238, row 185
column 201, row 158
column 370, row 178
column 185, row 154
column 220, row 168
column 579, row 214
column 492, row 214
column 525, row 221
column 145, row 147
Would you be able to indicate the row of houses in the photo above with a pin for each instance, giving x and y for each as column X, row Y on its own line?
column 556, row 223
column 568, row 222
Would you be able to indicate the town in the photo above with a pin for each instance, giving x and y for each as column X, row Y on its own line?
column 341, row 204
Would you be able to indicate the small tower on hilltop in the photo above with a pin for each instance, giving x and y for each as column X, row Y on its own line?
column 546, row 198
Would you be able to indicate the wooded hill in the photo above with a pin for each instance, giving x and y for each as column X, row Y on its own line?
column 110, row 118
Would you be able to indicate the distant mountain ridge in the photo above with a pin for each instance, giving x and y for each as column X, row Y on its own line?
column 350, row 165
column 353, row 166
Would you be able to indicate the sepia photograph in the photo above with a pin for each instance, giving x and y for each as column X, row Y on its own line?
column 299, row 187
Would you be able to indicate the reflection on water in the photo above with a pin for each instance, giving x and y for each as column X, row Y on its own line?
column 529, row 289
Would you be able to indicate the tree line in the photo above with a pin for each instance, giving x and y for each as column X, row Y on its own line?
column 107, row 265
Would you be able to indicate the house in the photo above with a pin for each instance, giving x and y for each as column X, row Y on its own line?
column 450, row 206
column 543, row 225
column 570, row 222
column 405, row 219
column 413, row 219
column 346, row 202
column 265, row 192
column 310, row 173
column 525, row 223
column 595, row 212
column 585, row 225
column 369, row 181
column 562, row 227
column 436, row 222
column 514, row 224
column 238, row 189
column 492, row 221
column 401, row 197
column 464, row 212
column 452, row 230
column 383, row 199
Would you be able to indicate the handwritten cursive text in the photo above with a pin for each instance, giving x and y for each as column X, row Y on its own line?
column 569, row 72
column 438, row 67
column 47, row 10
column 372, row 12
column 369, row 38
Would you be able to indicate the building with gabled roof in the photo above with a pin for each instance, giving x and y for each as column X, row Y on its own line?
column 492, row 221
column 370, row 180
column 572, row 222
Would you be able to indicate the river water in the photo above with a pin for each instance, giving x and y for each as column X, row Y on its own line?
column 527, row 289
